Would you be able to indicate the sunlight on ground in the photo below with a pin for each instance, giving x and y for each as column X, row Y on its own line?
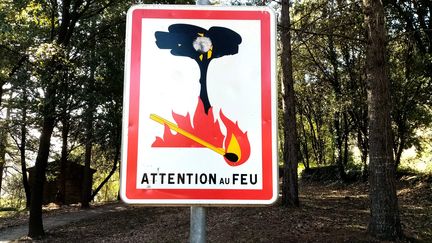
column 50, row 206
column 356, row 226
column 414, row 207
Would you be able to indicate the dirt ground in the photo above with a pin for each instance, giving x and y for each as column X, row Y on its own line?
column 329, row 212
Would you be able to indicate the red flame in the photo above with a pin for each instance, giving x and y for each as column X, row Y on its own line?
column 205, row 127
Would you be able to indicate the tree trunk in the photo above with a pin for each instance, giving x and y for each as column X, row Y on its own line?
column 2, row 83
column 89, row 132
column 89, row 118
column 384, row 219
column 3, row 141
column 2, row 159
column 320, row 140
column 305, row 144
column 2, row 156
column 399, row 145
column 22, row 149
column 314, row 140
column 363, row 146
column 398, row 152
column 87, row 182
column 339, row 150
column 61, row 197
column 290, row 180
column 35, row 221
column 345, row 139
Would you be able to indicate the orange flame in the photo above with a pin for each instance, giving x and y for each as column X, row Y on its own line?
column 236, row 141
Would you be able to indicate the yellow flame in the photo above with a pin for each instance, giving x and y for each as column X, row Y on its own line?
column 201, row 34
column 234, row 147
column 209, row 53
column 201, row 57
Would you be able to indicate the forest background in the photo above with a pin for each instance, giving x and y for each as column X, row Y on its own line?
column 61, row 81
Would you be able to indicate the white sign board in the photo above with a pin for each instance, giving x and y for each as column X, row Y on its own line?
column 199, row 121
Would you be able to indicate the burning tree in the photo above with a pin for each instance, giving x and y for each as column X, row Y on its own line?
column 203, row 46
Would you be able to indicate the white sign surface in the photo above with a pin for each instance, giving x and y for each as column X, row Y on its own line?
column 199, row 123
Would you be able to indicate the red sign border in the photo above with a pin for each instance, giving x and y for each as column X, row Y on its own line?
column 133, row 194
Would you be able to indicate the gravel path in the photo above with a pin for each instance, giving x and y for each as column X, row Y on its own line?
column 14, row 233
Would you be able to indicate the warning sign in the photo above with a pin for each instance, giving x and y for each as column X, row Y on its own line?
column 199, row 122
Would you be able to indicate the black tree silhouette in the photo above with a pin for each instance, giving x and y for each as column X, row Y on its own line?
column 201, row 45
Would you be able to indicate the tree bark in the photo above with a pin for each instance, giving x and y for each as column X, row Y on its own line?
column 399, row 150
column 2, row 83
column 87, row 182
column 290, row 180
column 64, row 157
column 338, row 142
column 35, row 221
column 89, row 119
column 3, row 144
column 314, row 140
column 362, row 142
column 22, row 149
column 304, row 144
column 65, row 120
column 2, row 163
column 345, row 139
column 384, row 212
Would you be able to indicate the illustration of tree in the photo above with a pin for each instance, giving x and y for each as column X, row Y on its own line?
column 201, row 45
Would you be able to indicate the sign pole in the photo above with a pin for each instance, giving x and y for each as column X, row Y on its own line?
column 198, row 225
column 198, row 214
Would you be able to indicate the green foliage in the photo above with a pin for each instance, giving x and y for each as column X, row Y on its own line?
column 411, row 94
column 328, row 63
column 88, row 67
column 410, row 72
column 111, row 189
column 14, row 196
column 329, row 70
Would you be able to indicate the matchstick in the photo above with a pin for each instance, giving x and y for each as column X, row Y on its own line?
column 230, row 156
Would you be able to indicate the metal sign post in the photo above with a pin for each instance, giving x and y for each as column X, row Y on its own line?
column 198, row 214
column 198, row 225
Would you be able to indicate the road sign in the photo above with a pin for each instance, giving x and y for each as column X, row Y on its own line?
column 199, row 119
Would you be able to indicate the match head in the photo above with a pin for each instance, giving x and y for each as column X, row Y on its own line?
column 231, row 157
